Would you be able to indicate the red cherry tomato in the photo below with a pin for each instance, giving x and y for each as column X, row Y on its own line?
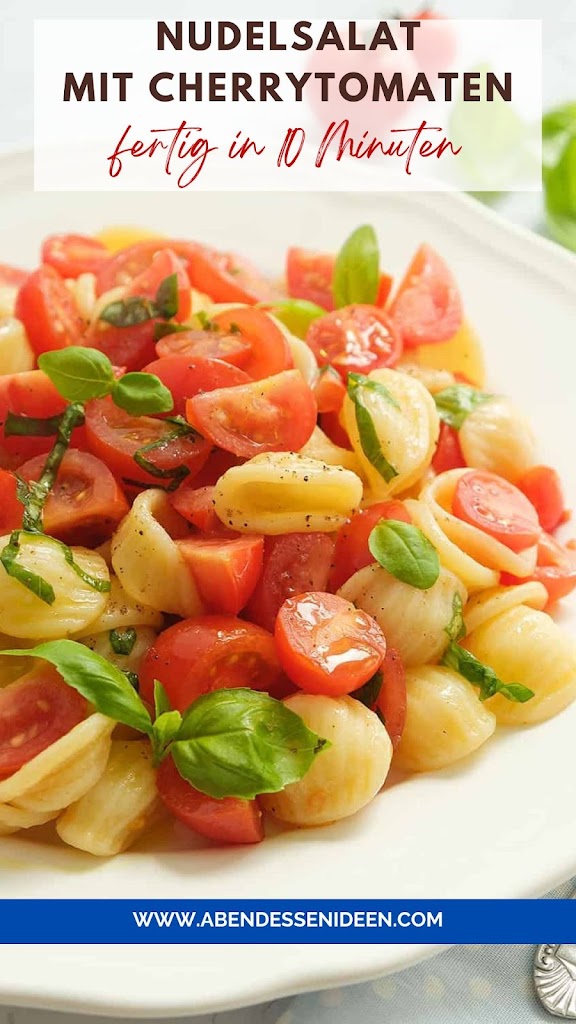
column 435, row 43
column 30, row 393
column 226, row 277
column 225, row 571
column 427, row 307
column 213, row 652
column 556, row 569
column 196, row 505
column 48, row 311
column 330, row 424
column 11, row 509
column 273, row 415
column 72, row 255
column 352, row 552
column 391, row 701
column 326, row 645
column 269, row 350
column 218, row 463
column 12, row 277
column 35, row 711
column 448, row 454
column 496, row 507
column 211, row 344
column 309, row 275
column 115, row 437
column 85, row 504
column 355, row 339
column 293, row 564
column 185, row 377
column 542, row 487
column 329, row 391
column 130, row 347
column 164, row 264
column 128, row 263
column 229, row 820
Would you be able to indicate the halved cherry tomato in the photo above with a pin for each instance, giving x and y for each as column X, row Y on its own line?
column 35, row 711
column 13, row 277
column 272, row 415
column 355, row 339
column 128, row 263
column 48, row 311
column 196, row 505
column 185, row 377
column 164, row 264
column 293, row 564
column 556, row 569
column 218, row 463
column 352, row 552
column 130, row 347
column 72, row 255
column 427, row 307
column 115, row 437
column 392, row 697
column 85, row 503
column 225, row 571
column 326, row 645
column 496, row 507
column 448, row 454
column 213, row 652
column 269, row 350
column 229, row 820
column 226, row 277
column 330, row 424
column 329, row 390
column 31, row 393
column 209, row 344
column 542, row 487
column 11, row 510
column 309, row 275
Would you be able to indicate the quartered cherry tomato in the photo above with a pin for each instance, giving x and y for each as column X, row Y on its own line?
column 496, row 507
column 427, row 307
column 72, row 255
column 229, row 820
column 35, row 711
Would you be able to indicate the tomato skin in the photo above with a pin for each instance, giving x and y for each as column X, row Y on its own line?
column 230, row 348
column 128, row 263
column 226, row 277
column 309, row 275
column 329, row 391
column 11, row 510
column 427, row 307
column 196, row 505
column 130, row 347
column 185, row 377
column 212, row 652
column 72, row 255
column 164, row 264
column 114, row 437
column 496, row 507
column 35, row 711
column 448, row 454
column 269, row 350
column 391, row 701
column 543, row 488
column 355, row 339
column 293, row 564
column 330, row 424
column 217, row 464
column 225, row 571
column 555, row 569
column 12, row 277
column 229, row 820
column 352, row 552
column 85, row 505
column 31, row 393
column 272, row 415
column 48, row 311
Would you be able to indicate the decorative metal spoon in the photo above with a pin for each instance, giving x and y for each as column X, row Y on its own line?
column 555, row 979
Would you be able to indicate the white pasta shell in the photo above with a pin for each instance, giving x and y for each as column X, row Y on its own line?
column 122, row 611
column 488, row 603
column 12, row 819
column 16, row 354
column 83, row 288
column 100, row 644
column 498, row 438
column 433, row 380
column 319, row 446
column 8, row 296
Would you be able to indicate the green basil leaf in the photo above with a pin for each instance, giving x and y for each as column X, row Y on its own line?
column 175, row 473
column 78, row 373
column 456, row 629
column 16, row 425
column 161, row 700
column 241, row 743
column 142, row 394
column 162, row 328
column 164, row 730
column 405, row 552
column 357, row 269
column 369, row 439
column 167, row 297
column 122, row 640
column 456, row 402
column 483, row 676
column 96, row 582
column 34, row 583
column 369, row 693
column 296, row 314
column 129, row 312
column 206, row 323
column 98, row 680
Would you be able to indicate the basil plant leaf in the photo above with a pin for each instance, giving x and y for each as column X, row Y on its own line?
column 142, row 394
column 456, row 402
column 78, row 373
column 357, row 269
column 104, row 685
column 483, row 676
column 164, row 730
column 369, row 440
column 405, row 552
column 161, row 700
column 241, row 743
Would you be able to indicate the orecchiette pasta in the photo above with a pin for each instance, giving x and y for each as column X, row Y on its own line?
column 83, row 289
column 320, row 447
column 286, row 493
column 526, row 646
column 13, row 819
column 101, row 644
column 77, row 604
column 148, row 563
column 15, row 352
column 461, row 354
column 433, row 380
column 122, row 610
column 406, row 426
column 413, row 621
column 347, row 775
column 488, row 603
column 116, row 810
column 497, row 438
column 445, row 721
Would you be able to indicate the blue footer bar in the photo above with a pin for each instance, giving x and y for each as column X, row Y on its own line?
column 287, row 921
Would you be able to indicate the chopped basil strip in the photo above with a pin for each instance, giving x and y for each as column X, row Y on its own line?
column 369, row 693
column 483, row 676
column 162, row 328
column 456, row 402
column 357, row 269
column 366, row 430
column 129, row 312
column 176, row 473
column 122, row 640
column 34, row 583
column 102, row 586
column 456, row 629
column 167, row 297
column 405, row 552
column 16, row 425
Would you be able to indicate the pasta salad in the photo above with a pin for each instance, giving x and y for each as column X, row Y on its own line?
column 259, row 540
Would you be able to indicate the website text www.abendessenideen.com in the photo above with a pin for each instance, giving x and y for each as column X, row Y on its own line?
column 255, row 919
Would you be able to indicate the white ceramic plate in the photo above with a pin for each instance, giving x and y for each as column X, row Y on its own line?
column 500, row 825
